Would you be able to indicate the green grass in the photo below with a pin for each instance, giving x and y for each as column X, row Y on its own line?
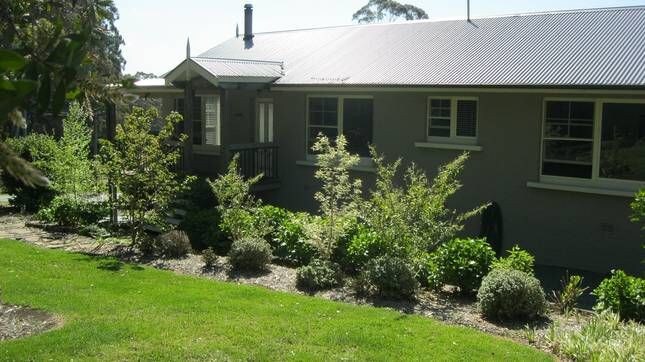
column 115, row 311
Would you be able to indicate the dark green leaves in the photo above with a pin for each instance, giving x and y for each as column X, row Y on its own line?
column 11, row 61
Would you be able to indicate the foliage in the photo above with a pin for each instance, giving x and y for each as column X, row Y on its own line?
column 250, row 254
column 173, row 244
column 199, row 195
column 237, row 205
column 50, row 52
column 141, row 313
column 378, row 10
column 622, row 294
column 140, row 165
column 511, row 294
column 389, row 277
column 462, row 263
column 69, row 211
column 412, row 218
column 365, row 246
column 287, row 236
column 337, row 196
column 209, row 257
column 638, row 208
column 202, row 227
column 318, row 275
column 517, row 259
column 566, row 299
column 601, row 338
column 39, row 151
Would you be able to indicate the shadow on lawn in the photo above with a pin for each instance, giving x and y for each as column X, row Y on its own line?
column 108, row 263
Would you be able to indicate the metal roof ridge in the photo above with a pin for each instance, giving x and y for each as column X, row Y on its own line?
column 270, row 62
column 502, row 16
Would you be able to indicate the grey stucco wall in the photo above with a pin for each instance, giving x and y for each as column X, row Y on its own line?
column 574, row 230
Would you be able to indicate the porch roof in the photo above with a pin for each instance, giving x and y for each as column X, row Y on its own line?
column 224, row 70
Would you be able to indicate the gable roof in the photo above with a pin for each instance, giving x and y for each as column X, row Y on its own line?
column 218, row 70
column 594, row 48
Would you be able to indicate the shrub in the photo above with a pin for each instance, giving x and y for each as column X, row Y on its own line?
column 287, row 237
column 202, row 227
column 250, row 254
column 510, row 294
column 337, row 196
column 209, row 257
column 39, row 149
column 365, row 246
column 69, row 211
column 566, row 299
column 601, row 338
column 462, row 263
column 318, row 275
column 389, row 277
column 173, row 244
column 622, row 294
column 412, row 216
column 140, row 164
column 517, row 259
column 199, row 195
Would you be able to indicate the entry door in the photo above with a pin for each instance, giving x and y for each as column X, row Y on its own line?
column 264, row 122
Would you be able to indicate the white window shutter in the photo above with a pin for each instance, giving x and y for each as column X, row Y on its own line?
column 212, row 120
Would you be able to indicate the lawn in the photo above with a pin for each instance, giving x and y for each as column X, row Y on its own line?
column 115, row 311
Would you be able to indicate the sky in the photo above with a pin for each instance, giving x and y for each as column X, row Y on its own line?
column 155, row 31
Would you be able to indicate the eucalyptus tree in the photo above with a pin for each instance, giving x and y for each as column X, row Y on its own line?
column 387, row 10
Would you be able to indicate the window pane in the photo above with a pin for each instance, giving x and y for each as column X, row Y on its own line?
column 331, row 133
column 357, row 125
column 566, row 170
column 567, row 158
column 557, row 110
column 439, row 132
column 197, row 108
column 323, row 111
column 622, row 149
column 440, row 122
column 569, row 119
column 467, row 118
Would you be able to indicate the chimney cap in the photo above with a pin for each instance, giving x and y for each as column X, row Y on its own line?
column 248, row 6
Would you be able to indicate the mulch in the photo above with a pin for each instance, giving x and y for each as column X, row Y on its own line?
column 19, row 321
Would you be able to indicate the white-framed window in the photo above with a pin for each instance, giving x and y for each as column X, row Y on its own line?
column 594, row 142
column 452, row 119
column 264, row 119
column 352, row 116
column 206, row 119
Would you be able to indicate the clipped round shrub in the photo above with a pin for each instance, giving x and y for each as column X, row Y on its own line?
column 390, row 277
column 209, row 257
column 250, row 254
column 517, row 259
column 173, row 244
column 460, row 262
column 622, row 294
column 511, row 294
column 318, row 275
column 202, row 227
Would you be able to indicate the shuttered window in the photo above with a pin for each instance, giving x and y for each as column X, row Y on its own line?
column 452, row 119
column 205, row 119
column 211, row 120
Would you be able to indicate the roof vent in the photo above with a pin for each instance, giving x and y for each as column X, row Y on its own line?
column 248, row 22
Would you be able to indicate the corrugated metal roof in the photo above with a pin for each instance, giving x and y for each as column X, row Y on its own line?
column 583, row 48
column 233, row 68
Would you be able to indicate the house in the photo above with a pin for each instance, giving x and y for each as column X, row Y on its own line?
column 551, row 107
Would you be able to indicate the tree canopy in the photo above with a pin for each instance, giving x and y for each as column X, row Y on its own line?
column 387, row 10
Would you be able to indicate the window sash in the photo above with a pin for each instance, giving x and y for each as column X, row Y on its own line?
column 595, row 180
column 206, row 119
column 455, row 133
column 327, row 128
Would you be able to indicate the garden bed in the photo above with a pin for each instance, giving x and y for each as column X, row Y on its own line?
column 445, row 306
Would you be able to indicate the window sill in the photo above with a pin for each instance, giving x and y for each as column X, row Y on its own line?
column 581, row 189
column 449, row 146
column 369, row 169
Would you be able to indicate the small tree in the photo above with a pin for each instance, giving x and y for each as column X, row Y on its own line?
column 338, row 195
column 140, row 164
column 237, row 205
column 72, row 170
column 413, row 218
